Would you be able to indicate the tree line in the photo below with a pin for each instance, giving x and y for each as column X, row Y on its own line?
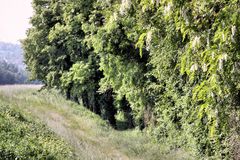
column 12, row 67
column 11, row 73
column 170, row 67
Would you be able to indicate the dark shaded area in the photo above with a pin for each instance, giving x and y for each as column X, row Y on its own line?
column 128, row 121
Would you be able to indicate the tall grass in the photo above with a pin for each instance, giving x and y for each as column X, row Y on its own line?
column 87, row 133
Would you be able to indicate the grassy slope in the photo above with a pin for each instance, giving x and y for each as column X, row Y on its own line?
column 90, row 136
column 21, row 137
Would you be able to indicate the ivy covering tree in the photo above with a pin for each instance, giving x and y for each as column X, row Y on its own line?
column 170, row 67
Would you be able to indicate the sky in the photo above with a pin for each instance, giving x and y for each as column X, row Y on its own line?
column 14, row 19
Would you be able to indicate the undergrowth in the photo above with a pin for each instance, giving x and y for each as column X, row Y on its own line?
column 21, row 137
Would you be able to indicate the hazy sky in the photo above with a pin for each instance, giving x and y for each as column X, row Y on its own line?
column 14, row 19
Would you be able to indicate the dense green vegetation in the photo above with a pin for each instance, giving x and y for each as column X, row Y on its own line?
column 23, row 138
column 170, row 67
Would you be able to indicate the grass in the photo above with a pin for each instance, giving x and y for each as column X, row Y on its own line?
column 89, row 136
column 24, row 138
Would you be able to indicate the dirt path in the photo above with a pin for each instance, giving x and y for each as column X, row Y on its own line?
column 85, row 146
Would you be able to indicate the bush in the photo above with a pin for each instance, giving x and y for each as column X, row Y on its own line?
column 22, row 138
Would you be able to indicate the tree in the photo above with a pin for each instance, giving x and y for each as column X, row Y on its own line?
column 168, row 66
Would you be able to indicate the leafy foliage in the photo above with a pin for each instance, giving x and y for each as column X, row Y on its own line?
column 172, row 66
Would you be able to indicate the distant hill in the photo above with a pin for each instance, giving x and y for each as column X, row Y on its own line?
column 12, row 53
column 12, row 68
